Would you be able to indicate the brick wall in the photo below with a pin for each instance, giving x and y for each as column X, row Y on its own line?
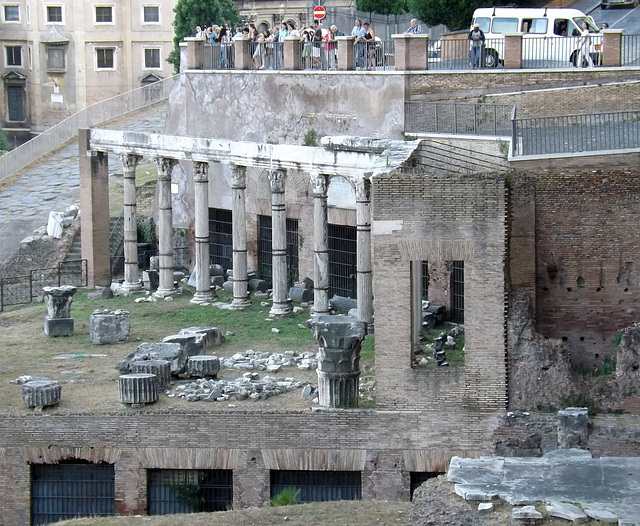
column 440, row 218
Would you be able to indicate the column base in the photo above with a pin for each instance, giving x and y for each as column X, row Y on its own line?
column 240, row 304
column 163, row 293
column 281, row 309
column 58, row 326
column 126, row 289
column 202, row 297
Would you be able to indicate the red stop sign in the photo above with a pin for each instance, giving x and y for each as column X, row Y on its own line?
column 319, row 12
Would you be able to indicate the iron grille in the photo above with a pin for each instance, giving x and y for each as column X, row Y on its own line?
column 343, row 261
column 265, row 252
column 66, row 491
column 318, row 486
column 457, row 291
column 221, row 237
column 189, row 490
column 425, row 280
column 419, row 477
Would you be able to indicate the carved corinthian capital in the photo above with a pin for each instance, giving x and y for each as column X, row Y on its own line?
column 363, row 190
column 238, row 177
column 200, row 172
column 129, row 162
column 277, row 179
column 165, row 167
column 320, row 183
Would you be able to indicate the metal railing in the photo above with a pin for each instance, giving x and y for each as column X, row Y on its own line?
column 374, row 56
column 455, row 54
column 219, row 56
column 630, row 53
column 88, row 117
column 560, row 52
column 18, row 290
column 576, row 133
column 459, row 118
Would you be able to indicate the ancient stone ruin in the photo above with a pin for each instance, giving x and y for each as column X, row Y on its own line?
column 109, row 327
column 41, row 392
column 58, row 321
column 339, row 342
column 137, row 389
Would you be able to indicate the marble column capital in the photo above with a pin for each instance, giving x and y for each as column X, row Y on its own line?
column 320, row 184
column 129, row 162
column 165, row 167
column 201, row 171
column 277, row 180
column 238, row 177
column 363, row 190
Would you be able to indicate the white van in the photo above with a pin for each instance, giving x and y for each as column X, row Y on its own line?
column 550, row 34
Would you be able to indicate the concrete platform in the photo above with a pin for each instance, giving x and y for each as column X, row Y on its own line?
column 603, row 487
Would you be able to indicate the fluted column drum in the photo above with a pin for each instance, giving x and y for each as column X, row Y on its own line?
column 41, row 392
column 202, row 366
column 161, row 368
column 140, row 388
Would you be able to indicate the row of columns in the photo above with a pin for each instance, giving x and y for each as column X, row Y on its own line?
column 277, row 180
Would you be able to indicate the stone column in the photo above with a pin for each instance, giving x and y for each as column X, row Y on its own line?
column 58, row 321
column 281, row 305
column 165, row 227
column 131, row 276
column 238, row 187
column 94, row 220
column 339, row 342
column 363, row 221
column 513, row 52
column 201, row 197
column 320, row 244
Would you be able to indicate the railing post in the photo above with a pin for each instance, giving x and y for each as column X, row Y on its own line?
column 242, row 52
column 513, row 52
column 1, row 295
column 411, row 52
column 514, row 137
column 611, row 47
column 291, row 53
column 346, row 54
column 195, row 52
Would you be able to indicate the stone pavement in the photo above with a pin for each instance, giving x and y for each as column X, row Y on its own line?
column 607, row 488
column 53, row 183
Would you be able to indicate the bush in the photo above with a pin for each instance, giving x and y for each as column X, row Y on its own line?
column 286, row 497
column 4, row 140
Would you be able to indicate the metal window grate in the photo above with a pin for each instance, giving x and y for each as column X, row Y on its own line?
column 189, row 490
column 343, row 261
column 318, row 486
column 425, row 280
column 221, row 237
column 66, row 491
column 265, row 249
column 457, row 291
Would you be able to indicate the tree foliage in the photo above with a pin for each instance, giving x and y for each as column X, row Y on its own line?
column 455, row 14
column 383, row 7
column 4, row 140
column 203, row 13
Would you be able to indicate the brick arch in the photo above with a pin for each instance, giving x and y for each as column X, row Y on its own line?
column 56, row 454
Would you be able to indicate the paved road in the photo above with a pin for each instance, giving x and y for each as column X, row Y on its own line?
column 53, row 184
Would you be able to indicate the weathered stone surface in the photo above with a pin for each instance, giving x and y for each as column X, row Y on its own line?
column 300, row 295
column 249, row 386
column 58, row 326
column 172, row 352
column 271, row 362
column 100, row 293
column 109, row 327
column 41, row 392
column 137, row 388
column 213, row 335
column 192, row 344
column 339, row 342
column 573, row 427
column 59, row 300
column 628, row 361
column 597, row 513
column 161, row 368
column 564, row 510
column 203, row 366
column 343, row 304
column 258, row 285
column 526, row 512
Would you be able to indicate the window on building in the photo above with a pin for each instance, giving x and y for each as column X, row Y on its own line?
column 12, row 13
column 55, row 59
column 189, row 490
column 152, row 58
column 105, row 58
column 13, row 55
column 318, row 486
column 104, row 14
column 54, row 14
column 265, row 252
column 151, row 14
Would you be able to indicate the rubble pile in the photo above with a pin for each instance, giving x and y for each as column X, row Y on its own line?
column 270, row 362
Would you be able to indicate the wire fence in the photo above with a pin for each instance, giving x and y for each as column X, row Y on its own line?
column 458, row 118
column 88, row 117
column 576, row 133
column 18, row 290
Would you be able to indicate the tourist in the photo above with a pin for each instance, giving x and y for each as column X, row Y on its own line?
column 307, row 38
column 476, row 37
column 293, row 32
column 414, row 28
column 224, row 45
column 358, row 32
column 275, row 46
column 258, row 49
column 584, row 55
column 368, row 40
column 318, row 51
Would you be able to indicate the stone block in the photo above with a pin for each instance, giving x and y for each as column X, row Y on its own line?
column 300, row 295
column 161, row 368
column 573, row 427
column 203, row 366
column 151, row 279
column 109, row 327
column 41, row 392
column 58, row 326
column 138, row 389
column 171, row 352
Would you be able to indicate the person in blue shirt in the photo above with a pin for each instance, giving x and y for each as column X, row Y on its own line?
column 358, row 31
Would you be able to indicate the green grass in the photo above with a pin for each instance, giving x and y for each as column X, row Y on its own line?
column 454, row 356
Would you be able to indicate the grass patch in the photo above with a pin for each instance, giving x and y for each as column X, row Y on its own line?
column 454, row 356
